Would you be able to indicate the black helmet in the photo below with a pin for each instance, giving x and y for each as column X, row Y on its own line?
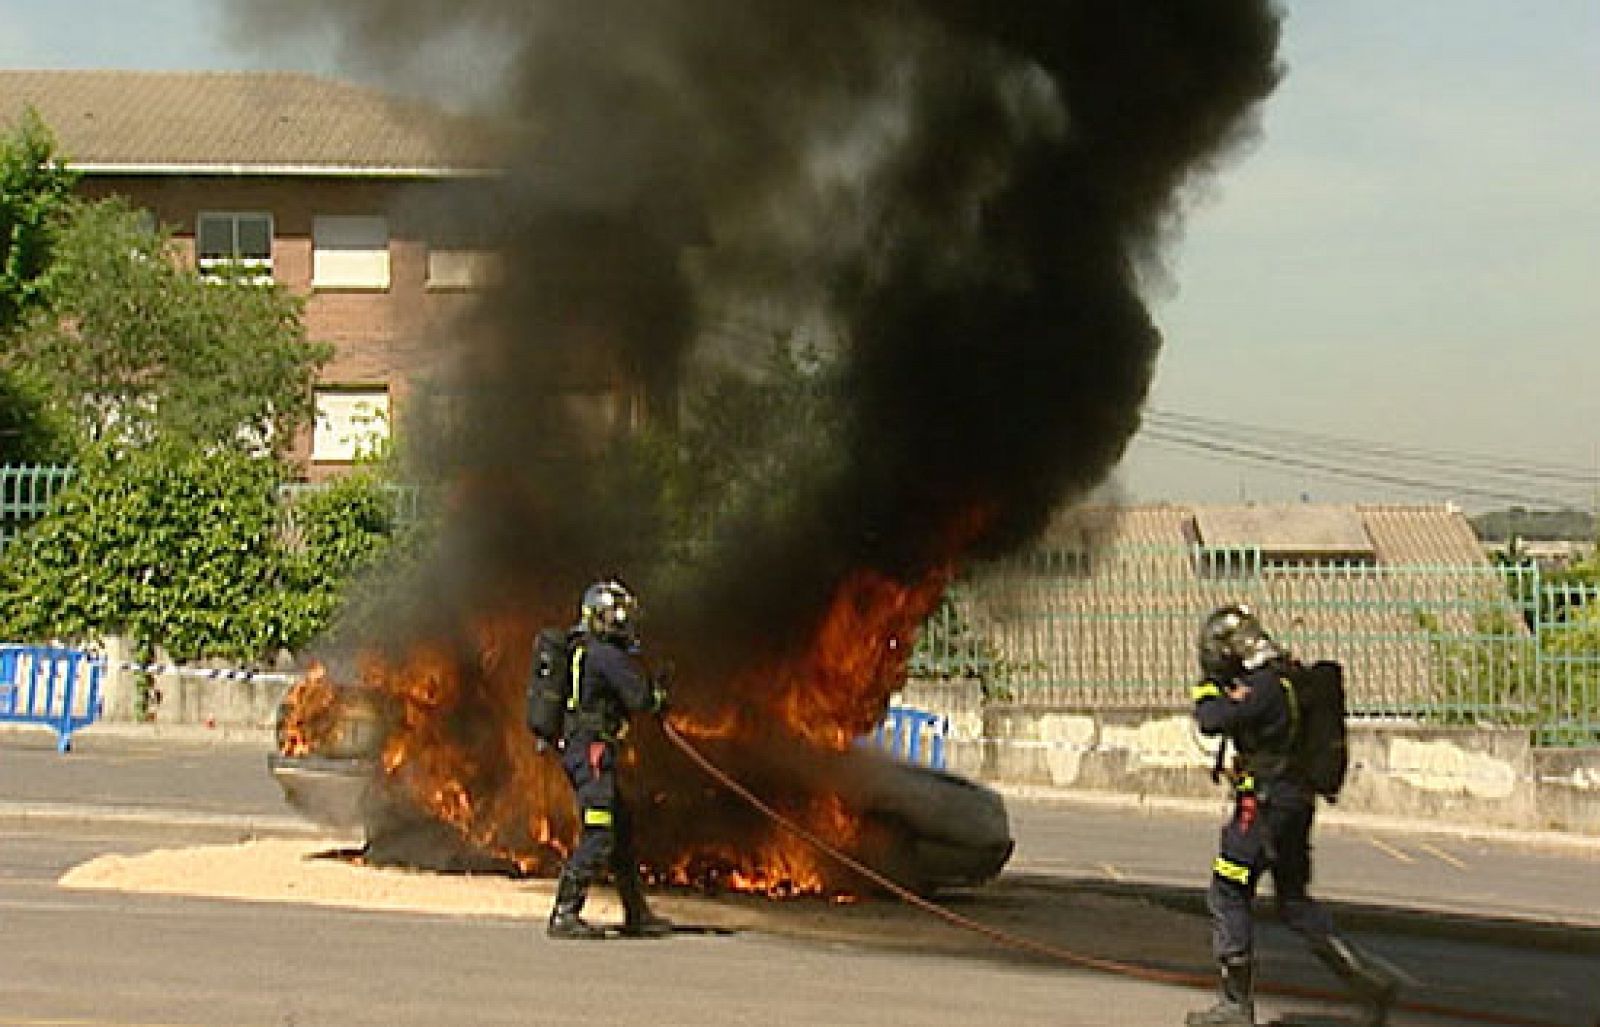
column 1233, row 641
column 609, row 611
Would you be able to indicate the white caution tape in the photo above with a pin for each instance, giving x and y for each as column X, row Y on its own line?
column 59, row 656
column 207, row 673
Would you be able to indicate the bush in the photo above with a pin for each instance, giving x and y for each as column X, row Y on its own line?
column 191, row 552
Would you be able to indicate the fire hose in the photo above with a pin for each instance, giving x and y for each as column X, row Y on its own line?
column 1044, row 949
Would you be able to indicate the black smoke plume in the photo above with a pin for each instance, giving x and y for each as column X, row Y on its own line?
column 964, row 191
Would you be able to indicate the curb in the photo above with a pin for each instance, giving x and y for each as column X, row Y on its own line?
column 254, row 825
column 222, row 734
column 1327, row 817
column 1355, row 916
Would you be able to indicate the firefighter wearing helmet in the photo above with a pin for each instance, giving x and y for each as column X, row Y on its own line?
column 1246, row 696
column 608, row 685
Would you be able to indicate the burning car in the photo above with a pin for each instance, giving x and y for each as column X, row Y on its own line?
column 435, row 787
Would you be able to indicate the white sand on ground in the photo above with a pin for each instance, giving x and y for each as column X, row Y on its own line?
column 310, row 872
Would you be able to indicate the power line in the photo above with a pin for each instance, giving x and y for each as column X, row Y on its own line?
column 1283, row 460
column 1345, row 446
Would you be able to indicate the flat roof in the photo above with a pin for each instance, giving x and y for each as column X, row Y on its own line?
column 1334, row 531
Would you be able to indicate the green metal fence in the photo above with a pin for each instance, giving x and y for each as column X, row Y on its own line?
column 25, row 495
column 26, row 492
column 1115, row 627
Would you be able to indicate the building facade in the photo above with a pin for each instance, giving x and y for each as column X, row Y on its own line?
column 333, row 190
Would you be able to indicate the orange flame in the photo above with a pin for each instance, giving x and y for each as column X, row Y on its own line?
column 783, row 866
column 504, row 798
column 310, row 716
column 858, row 659
column 840, row 688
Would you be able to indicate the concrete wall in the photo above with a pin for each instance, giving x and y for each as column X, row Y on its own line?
column 1568, row 789
column 188, row 700
column 1480, row 777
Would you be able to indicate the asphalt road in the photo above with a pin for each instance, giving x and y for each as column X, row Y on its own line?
column 90, row 958
column 1504, row 930
column 1553, row 883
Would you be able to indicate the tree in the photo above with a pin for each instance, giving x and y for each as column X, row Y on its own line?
column 138, row 347
column 32, row 429
column 746, row 438
column 35, row 187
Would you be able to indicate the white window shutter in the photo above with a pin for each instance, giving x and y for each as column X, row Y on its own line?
column 350, row 251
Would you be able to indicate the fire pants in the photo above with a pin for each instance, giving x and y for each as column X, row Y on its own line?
column 606, row 835
column 1269, row 830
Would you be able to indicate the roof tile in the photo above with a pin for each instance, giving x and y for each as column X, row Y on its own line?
column 285, row 120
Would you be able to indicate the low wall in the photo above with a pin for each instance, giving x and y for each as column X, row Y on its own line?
column 1568, row 789
column 1481, row 777
column 187, row 699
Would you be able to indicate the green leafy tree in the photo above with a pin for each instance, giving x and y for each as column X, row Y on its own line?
column 33, row 428
column 138, row 347
column 34, row 188
column 747, row 438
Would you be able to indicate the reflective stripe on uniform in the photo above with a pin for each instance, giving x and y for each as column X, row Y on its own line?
column 1206, row 690
column 596, row 818
column 1226, row 868
column 1293, row 701
column 577, row 677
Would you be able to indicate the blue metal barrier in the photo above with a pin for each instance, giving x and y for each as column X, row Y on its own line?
column 49, row 685
column 913, row 735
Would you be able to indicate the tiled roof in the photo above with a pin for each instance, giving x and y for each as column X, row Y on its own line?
column 1422, row 535
column 268, row 122
column 1435, row 535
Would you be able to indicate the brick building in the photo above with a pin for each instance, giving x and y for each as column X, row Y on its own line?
column 325, row 186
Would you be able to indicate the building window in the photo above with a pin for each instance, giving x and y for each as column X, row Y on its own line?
column 350, row 251
column 234, row 245
column 461, row 269
column 352, row 423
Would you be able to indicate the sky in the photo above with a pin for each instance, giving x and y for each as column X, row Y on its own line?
column 1405, row 258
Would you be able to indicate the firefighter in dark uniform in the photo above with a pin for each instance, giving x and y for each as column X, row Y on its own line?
column 608, row 685
column 1243, row 697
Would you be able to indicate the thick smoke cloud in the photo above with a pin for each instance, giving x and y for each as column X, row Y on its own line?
column 964, row 190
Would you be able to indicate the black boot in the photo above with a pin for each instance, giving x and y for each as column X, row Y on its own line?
column 565, row 922
column 1372, row 983
column 637, row 919
column 1238, row 1005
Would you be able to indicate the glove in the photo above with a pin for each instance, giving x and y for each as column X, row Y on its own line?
column 660, row 693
